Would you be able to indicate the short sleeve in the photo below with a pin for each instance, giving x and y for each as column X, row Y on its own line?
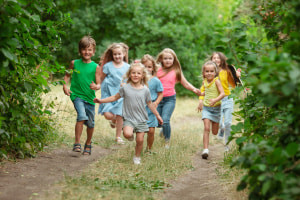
column 105, row 68
column 159, row 87
column 121, row 91
column 147, row 95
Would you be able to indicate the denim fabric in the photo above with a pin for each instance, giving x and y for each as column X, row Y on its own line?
column 226, row 113
column 211, row 113
column 165, row 108
column 85, row 112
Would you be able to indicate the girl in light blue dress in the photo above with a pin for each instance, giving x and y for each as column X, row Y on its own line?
column 114, row 64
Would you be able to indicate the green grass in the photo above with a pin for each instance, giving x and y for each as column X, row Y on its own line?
column 115, row 176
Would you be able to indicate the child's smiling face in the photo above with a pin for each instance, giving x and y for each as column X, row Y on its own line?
column 167, row 60
column 136, row 74
column 209, row 72
column 118, row 55
column 216, row 58
column 87, row 53
column 149, row 66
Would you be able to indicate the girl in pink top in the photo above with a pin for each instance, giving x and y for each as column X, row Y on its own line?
column 169, row 74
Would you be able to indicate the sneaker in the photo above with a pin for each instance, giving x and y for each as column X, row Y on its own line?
column 226, row 148
column 221, row 133
column 167, row 145
column 205, row 153
column 136, row 160
column 131, row 138
column 119, row 140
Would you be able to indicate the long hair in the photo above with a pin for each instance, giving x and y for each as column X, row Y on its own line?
column 148, row 57
column 145, row 78
column 210, row 63
column 107, row 56
column 176, row 64
column 223, row 59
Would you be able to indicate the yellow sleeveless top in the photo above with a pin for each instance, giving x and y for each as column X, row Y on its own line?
column 211, row 92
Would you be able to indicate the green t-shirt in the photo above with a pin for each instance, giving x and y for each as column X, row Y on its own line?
column 81, row 80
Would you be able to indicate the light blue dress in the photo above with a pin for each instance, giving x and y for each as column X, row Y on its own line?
column 110, row 86
column 155, row 86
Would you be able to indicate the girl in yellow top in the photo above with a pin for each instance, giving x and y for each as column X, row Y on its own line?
column 228, row 82
column 212, row 101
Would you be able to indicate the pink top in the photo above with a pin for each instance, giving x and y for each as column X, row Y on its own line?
column 168, row 81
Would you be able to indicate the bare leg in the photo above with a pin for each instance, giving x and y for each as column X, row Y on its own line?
column 214, row 128
column 119, row 125
column 78, row 131
column 127, row 132
column 139, row 143
column 109, row 116
column 150, row 138
column 89, row 132
column 206, row 133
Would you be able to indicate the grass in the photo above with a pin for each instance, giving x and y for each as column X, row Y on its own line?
column 115, row 176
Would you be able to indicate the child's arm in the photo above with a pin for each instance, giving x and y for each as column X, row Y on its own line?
column 67, row 78
column 102, row 75
column 189, row 86
column 221, row 95
column 158, row 99
column 153, row 109
column 108, row 99
column 200, row 105
column 96, row 86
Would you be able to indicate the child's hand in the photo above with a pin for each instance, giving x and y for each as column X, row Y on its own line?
column 96, row 100
column 197, row 92
column 93, row 86
column 238, row 72
column 160, row 120
column 155, row 104
column 67, row 91
column 212, row 102
column 200, row 106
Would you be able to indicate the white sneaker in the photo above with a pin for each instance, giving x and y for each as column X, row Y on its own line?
column 119, row 140
column 136, row 160
column 205, row 153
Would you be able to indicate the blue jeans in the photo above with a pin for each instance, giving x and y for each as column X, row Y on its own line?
column 85, row 112
column 165, row 108
column 226, row 113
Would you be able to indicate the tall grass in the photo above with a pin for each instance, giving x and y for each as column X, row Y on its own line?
column 115, row 176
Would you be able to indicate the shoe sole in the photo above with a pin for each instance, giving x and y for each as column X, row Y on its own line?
column 204, row 156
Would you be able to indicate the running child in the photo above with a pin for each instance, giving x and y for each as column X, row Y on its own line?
column 82, row 91
column 115, row 65
column 136, row 96
column 212, row 103
column 169, row 74
column 156, row 90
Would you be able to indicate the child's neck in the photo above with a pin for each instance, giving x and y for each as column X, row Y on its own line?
column 137, row 85
column 209, row 81
column 86, row 61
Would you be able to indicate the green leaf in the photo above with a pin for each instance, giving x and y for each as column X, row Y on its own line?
column 240, row 140
column 9, row 55
column 292, row 148
column 266, row 187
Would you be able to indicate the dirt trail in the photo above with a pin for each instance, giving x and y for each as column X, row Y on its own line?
column 202, row 183
column 31, row 177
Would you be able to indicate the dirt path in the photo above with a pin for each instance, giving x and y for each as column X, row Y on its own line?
column 201, row 183
column 31, row 177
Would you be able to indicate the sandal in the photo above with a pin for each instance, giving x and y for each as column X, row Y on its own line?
column 87, row 151
column 77, row 147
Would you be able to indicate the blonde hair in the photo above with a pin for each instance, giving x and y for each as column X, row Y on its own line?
column 148, row 57
column 85, row 42
column 145, row 78
column 176, row 64
column 210, row 63
column 108, row 54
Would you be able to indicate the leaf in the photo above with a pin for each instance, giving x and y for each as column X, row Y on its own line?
column 266, row 187
column 240, row 140
column 9, row 55
column 292, row 148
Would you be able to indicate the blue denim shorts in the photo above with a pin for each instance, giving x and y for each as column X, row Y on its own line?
column 212, row 113
column 85, row 112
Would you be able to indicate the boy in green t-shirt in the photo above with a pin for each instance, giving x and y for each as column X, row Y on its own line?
column 84, row 82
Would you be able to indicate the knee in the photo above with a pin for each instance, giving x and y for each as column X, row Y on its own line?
column 127, row 135
column 139, row 140
column 206, row 129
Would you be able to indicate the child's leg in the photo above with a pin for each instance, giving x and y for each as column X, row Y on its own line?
column 89, row 132
column 214, row 127
column 110, row 116
column 139, row 143
column 119, row 125
column 127, row 132
column 206, row 133
column 78, row 131
column 150, row 138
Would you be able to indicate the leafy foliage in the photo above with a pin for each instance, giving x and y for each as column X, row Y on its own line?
column 30, row 32
column 268, row 133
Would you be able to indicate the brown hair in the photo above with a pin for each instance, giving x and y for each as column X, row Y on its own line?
column 148, row 57
column 223, row 59
column 108, row 54
column 176, row 65
column 85, row 42
column 210, row 63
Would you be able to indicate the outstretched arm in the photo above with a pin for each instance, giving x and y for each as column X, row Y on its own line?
column 67, row 78
column 108, row 99
column 153, row 109
column 189, row 86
